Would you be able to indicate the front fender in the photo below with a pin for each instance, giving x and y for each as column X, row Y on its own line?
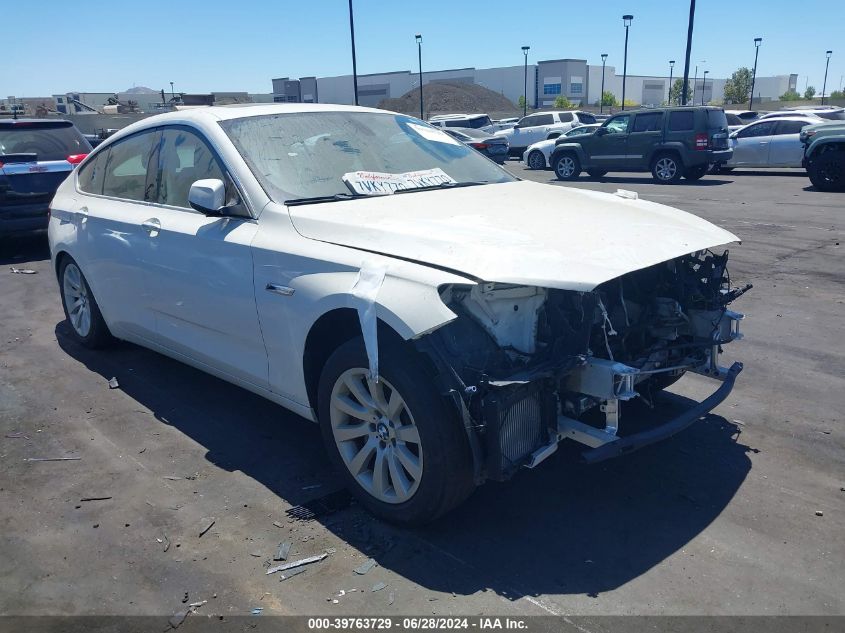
column 568, row 147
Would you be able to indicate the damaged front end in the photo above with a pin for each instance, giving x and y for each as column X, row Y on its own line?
column 528, row 367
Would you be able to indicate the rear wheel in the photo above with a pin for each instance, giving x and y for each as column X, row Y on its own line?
column 695, row 173
column 536, row 160
column 81, row 310
column 597, row 173
column 667, row 169
column 827, row 171
column 566, row 167
column 400, row 449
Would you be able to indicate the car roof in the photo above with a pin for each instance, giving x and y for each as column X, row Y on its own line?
column 441, row 117
column 791, row 117
column 19, row 121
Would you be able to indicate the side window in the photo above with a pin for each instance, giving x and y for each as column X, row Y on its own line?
column 681, row 121
column 790, row 127
column 126, row 169
column 528, row 121
column 586, row 118
column 618, row 124
column 765, row 128
column 461, row 123
column 649, row 122
column 565, row 117
column 91, row 175
column 544, row 119
column 184, row 158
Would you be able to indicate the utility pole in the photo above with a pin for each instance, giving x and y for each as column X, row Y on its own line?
column 704, row 86
column 626, row 21
column 419, row 52
column 757, row 41
column 525, row 50
column 354, row 64
column 671, row 68
column 684, row 88
column 601, row 100
column 826, row 66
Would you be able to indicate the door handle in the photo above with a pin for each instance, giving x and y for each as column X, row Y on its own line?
column 279, row 289
column 151, row 226
column 83, row 215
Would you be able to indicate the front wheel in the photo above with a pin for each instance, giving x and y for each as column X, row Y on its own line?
column 398, row 446
column 667, row 169
column 536, row 160
column 567, row 167
column 695, row 173
column 81, row 310
column 827, row 172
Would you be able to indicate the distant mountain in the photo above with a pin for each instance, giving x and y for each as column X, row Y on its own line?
column 141, row 90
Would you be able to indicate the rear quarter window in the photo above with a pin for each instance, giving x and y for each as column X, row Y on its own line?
column 681, row 121
column 716, row 118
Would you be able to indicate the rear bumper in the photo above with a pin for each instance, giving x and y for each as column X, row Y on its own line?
column 716, row 156
column 637, row 441
column 23, row 218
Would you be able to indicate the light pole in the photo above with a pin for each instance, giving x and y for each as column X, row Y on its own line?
column 419, row 53
column 757, row 41
column 172, row 94
column 525, row 50
column 694, row 84
column 601, row 99
column 704, row 86
column 826, row 65
column 626, row 21
column 354, row 63
column 689, row 48
column 671, row 68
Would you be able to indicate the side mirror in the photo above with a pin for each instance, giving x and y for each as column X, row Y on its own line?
column 208, row 196
column 601, row 131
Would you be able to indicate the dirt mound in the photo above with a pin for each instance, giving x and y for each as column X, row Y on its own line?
column 451, row 97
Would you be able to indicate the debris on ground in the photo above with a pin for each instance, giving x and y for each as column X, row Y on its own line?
column 278, row 524
column 740, row 422
column 291, row 573
column 391, row 598
column 185, row 598
column 52, row 459
column 378, row 586
column 113, row 384
column 283, row 551
column 364, row 567
column 321, row 506
column 94, row 499
column 819, row 513
column 177, row 618
column 23, row 271
column 205, row 525
column 257, row 610
column 297, row 563
column 166, row 543
column 16, row 435
column 173, row 478
column 256, row 554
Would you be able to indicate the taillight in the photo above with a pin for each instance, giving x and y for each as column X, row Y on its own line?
column 479, row 145
column 75, row 159
column 701, row 141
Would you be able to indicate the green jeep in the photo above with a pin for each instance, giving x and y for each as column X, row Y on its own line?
column 824, row 155
column 668, row 142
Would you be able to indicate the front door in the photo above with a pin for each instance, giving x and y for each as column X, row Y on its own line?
column 200, row 268
column 751, row 145
column 609, row 150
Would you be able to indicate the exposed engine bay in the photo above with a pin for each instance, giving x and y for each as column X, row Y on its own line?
column 524, row 365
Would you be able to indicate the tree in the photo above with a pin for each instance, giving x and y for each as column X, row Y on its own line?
column 677, row 91
column 521, row 101
column 608, row 99
column 738, row 87
column 837, row 94
column 630, row 104
column 790, row 95
column 562, row 103
column 810, row 92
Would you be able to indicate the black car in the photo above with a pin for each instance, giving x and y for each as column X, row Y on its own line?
column 671, row 143
column 36, row 155
column 492, row 146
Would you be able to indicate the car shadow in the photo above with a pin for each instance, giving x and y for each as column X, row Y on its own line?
column 707, row 181
column 29, row 247
column 563, row 528
column 795, row 173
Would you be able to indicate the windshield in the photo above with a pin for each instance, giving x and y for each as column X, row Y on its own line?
column 315, row 154
column 832, row 116
column 47, row 140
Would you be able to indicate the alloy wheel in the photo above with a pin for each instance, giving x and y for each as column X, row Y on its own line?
column 666, row 168
column 536, row 160
column 77, row 300
column 566, row 167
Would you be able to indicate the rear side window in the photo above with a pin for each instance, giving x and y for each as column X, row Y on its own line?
column 586, row 118
column 790, row 127
column 764, row 128
column 716, row 118
column 457, row 123
column 565, row 117
column 681, row 121
column 126, row 169
column 48, row 140
column 734, row 119
column 479, row 121
column 648, row 122
column 184, row 158
column 92, row 174
column 544, row 119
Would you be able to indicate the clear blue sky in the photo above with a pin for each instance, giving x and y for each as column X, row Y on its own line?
column 205, row 45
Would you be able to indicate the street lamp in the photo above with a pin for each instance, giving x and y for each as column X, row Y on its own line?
column 757, row 41
column 704, row 86
column 172, row 94
column 826, row 65
column 419, row 52
column 685, row 85
column 626, row 21
column 525, row 50
column 354, row 64
column 671, row 68
column 601, row 98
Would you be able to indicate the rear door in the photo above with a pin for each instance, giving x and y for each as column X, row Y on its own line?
column 785, row 150
column 201, row 267
column 646, row 132
column 751, row 145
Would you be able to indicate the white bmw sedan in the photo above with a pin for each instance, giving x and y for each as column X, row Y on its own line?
column 442, row 321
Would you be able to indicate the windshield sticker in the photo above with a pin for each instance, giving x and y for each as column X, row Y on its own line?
column 431, row 134
column 375, row 183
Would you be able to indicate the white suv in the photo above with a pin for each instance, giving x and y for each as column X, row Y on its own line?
column 474, row 121
column 543, row 125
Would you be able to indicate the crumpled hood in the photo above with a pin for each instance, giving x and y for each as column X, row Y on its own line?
column 520, row 232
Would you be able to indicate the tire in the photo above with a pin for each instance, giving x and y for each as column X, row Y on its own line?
column 695, row 173
column 536, row 160
column 426, row 464
column 597, row 173
column 827, row 171
column 667, row 168
column 566, row 166
column 87, row 326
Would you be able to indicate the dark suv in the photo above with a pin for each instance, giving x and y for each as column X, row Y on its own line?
column 668, row 142
column 36, row 155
